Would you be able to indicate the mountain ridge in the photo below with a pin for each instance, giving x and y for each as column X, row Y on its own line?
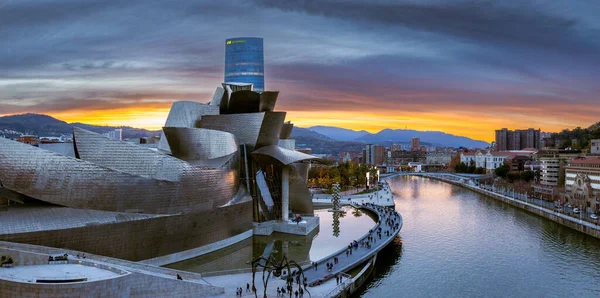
column 316, row 136
column 43, row 125
column 389, row 136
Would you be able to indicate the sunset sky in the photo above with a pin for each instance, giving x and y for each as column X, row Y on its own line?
column 462, row 67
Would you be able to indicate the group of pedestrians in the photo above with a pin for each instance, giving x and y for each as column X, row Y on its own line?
column 329, row 267
column 240, row 291
column 387, row 216
column 338, row 279
column 282, row 291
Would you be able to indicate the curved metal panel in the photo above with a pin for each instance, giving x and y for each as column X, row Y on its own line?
column 185, row 114
column 281, row 155
column 245, row 127
column 76, row 183
column 126, row 157
column 286, row 130
column 243, row 102
column 302, row 169
column 192, row 144
column 300, row 196
column 287, row 144
column 217, row 97
column 268, row 99
column 270, row 129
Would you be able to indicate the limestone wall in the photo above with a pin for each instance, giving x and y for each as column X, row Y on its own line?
column 149, row 238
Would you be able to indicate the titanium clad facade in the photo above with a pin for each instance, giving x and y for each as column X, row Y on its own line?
column 244, row 61
column 268, row 99
column 137, row 203
column 280, row 155
column 185, row 114
column 243, row 102
column 253, row 129
column 77, row 183
column 198, row 144
column 204, row 206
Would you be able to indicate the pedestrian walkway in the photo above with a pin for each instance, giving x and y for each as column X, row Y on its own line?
column 388, row 225
column 381, row 197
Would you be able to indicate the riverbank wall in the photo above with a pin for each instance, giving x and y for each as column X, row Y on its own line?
column 565, row 220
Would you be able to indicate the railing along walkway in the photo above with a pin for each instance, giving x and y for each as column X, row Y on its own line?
column 389, row 224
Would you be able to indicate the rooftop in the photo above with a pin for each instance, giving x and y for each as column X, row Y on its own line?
column 586, row 161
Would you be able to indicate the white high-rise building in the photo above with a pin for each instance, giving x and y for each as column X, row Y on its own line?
column 116, row 134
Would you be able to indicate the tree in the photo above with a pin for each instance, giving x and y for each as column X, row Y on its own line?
column 502, row 170
column 527, row 176
column 471, row 168
column 461, row 168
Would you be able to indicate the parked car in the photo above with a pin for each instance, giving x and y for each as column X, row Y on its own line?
column 593, row 216
column 576, row 210
column 569, row 205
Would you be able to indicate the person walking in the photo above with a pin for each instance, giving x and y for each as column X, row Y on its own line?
column 247, row 288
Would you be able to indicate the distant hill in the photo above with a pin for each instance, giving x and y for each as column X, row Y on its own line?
column 391, row 136
column 47, row 126
column 321, row 139
column 305, row 132
column 339, row 134
column 436, row 138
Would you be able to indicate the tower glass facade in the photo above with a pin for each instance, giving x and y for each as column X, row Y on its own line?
column 244, row 62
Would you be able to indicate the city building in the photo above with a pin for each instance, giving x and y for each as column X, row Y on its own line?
column 349, row 156
column 439, row 157
column 402, row 157
column 29, row 140
column 582, row 183
column 116, row 134
column 551, row 165
column 223, row 172
column 595, row 146
column 490, row 160
column 373, row 154
column 507, row 140
column 49, row 140
column 244, row 62
column 415, row 144
column 518, row 163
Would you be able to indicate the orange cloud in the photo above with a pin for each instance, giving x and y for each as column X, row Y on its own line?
column 152, row 118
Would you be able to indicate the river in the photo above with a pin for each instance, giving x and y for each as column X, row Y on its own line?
column 457, row 243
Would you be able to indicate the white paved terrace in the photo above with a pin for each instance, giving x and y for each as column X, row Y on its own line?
column 31, row 273
column 382, row 197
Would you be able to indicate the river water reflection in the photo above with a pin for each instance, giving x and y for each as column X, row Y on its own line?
column 457, row 243
column 335, row 232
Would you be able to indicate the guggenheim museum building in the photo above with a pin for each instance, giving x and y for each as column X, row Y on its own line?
column 219, row 168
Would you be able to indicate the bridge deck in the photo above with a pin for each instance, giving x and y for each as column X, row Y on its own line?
column 385, row 215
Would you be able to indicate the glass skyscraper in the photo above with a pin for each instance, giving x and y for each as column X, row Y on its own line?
column 244, row 62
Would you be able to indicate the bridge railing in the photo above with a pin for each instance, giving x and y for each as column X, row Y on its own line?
column 346, row 283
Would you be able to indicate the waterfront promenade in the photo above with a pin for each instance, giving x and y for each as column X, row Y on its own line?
column 380, row 197
column 322, row 283
column 519, row 201
column 389, row 223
